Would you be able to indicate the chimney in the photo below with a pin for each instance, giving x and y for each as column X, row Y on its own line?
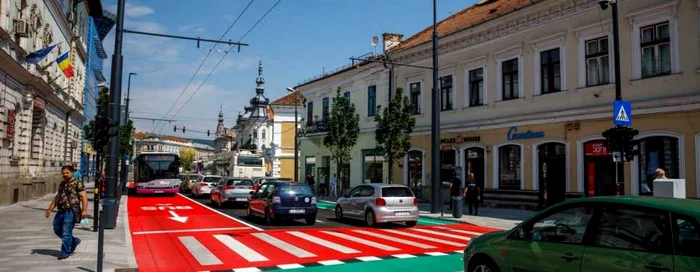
column 391, row 40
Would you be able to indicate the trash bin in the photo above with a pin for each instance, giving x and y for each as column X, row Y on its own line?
column 457, row 206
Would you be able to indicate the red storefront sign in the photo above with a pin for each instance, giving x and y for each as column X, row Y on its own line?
column 10, row 128
column 596, row 149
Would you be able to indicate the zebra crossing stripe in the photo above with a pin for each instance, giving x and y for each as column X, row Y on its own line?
column 319, row 241
column 290, row 266
column 361, row 241
column 199, row 251
column 331, row 262
column 443, row 234
column 394, row 239
column 466, row 232
column 284, row 245
column 240, row 248
column 404, row 256
column 417, row 236
column 368, row 258
column 247, row 269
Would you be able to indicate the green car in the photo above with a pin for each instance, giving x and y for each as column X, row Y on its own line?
column 596, row 235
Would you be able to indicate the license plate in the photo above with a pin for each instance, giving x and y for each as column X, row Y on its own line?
column 402, row 213
column 297, row 211
column 241, row 199
column 159, row 192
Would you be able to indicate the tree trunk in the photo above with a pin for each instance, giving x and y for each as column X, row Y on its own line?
column 337, row 172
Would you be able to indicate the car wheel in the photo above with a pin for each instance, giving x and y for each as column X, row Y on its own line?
column 338, row 213
column 268, row 217
column 310, row 220
column 482, row 264
column 370, row 220
column 411, row 224
column 248, row 212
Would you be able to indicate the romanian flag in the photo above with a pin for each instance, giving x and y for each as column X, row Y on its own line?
column 64, row 63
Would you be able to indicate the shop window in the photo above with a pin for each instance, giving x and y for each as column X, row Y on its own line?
column 509, row 170
column 654, row 153
column 448, row 163
column 372, row 166
column 415, row 167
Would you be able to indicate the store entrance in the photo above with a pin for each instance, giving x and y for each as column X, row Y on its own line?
column 599, row 170
column 474, row 162
column 552, row 173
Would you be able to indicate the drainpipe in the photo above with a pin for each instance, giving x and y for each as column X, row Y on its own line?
column 66, row 149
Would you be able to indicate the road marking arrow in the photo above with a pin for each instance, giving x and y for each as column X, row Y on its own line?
column 176, row 217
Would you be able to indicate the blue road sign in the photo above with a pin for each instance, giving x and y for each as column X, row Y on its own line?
column 622, row 113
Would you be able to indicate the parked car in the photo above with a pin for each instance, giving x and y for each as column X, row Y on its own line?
column 379, row 203
column 187, row 181
column 279, row 200
column 231, row 190
column 204, row 186
column 627, row 233
column 257, row 182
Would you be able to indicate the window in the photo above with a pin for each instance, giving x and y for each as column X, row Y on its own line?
column 446, row 93
column 687, row 232
column 325, row 110
column 264, row 134
column 627, row 227
column 510, row 79
column 415, row 97
column 597, row 62
column 509, row 170
column 656, row 50
column 657, row 152
column 476, row 87
column 372, row 100
column 396, row 192
column 355, row 192
column 366, row 191
column 255, row 134
column 550, row 76
column 373, row 166
column 565, row 226
column 309, row 114
column 346, row 95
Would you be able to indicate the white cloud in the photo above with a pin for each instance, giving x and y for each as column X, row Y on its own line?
column 133, row 10
column 196, row 28
column 144, row 26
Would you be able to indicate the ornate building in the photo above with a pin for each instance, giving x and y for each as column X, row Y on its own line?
column 225, row 138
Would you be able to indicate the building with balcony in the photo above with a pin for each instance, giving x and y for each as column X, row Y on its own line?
column 41, row 110
column 146, row 142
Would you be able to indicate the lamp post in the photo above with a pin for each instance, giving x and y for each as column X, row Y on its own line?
column 435, row 126
column 296, row 133
column 124, row 168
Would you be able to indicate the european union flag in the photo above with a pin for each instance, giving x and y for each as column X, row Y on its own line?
column 36, row 56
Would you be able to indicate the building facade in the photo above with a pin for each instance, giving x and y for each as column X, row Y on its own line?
column 146, row 142
column 282, row 145
column 225, row 138
column 41, row 110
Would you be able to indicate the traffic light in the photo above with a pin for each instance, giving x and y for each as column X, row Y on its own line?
column 207, row 132
column 175, row 128
column 621, row 139
column 101, row 132
column 183, row 129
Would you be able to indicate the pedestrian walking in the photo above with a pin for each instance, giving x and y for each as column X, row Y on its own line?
column 334, row 185
column 472, row 193
column 71, row 200
column 310, row 180
column 346, row 184
column 455, row 187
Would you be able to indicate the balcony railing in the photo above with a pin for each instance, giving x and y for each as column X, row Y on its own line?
column 315, row 127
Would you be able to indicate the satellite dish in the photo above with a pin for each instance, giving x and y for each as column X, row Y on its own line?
column 375, row 40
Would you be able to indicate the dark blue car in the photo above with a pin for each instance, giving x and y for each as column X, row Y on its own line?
column 278, row 200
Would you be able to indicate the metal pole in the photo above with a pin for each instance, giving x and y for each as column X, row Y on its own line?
column 110, row 204
column 618, row 80
column 435, row 129
column 124, row 170
column 296, row 137
column 96, row 196
column 100, row 237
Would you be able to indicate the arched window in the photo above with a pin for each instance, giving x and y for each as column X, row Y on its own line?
column 264, row 134
column 509, row 167
column 654, row 153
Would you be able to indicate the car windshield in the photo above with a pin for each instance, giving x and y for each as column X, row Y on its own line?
column 238, row 182
column 301, row 189
column 211, row 179
column 152, row 170
column 396, row 192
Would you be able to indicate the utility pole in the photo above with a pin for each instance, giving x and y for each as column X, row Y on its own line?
column 124, row 171
column 436, row 202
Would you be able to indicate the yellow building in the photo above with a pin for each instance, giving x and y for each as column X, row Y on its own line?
column 282, row 146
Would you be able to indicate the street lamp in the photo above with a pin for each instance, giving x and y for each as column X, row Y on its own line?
column 296, row 133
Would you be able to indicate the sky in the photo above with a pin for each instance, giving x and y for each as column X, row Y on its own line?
column 296, row 41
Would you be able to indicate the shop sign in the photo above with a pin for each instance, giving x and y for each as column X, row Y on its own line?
column 596, row 149
column 513, row 134
column 10, row 128
column 460, row 140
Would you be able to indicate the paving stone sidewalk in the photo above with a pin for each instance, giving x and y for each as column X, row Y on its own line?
column 27, row 241
column 488, row 217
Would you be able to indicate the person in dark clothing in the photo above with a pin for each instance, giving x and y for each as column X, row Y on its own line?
column 455, row 188
column 310, row 180
column 472, row 193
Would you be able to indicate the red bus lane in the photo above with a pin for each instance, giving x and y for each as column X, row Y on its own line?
column 158, row 223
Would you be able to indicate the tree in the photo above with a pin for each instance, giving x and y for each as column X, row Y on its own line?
column 187, row 157
column 102, row 103
column 343, row 129
column 126, row 145
column 394, row 127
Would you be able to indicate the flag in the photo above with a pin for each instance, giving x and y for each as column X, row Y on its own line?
column 64, row 63
column 36, row 56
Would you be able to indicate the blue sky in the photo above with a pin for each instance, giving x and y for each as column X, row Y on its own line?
column 295, row 42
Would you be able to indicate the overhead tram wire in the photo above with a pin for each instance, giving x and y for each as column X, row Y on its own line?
column 203, row 61
column 223, row 57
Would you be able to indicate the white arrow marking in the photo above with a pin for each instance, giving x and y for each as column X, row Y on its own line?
column 176, row 217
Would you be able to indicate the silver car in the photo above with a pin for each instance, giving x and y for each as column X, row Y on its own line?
column 379, row 203
column 231, row 190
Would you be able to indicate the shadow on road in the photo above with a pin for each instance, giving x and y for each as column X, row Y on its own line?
column 85, row 269
column 47, row 252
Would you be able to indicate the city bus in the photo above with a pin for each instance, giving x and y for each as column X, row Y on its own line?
column 156, row 173
column 247, row 164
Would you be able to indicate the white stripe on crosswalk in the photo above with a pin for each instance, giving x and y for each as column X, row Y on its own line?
column 361, row 241
column 331, row 262
column 284, row 245
column 201, row 253
column 324, row 243
column 418, row 236
column 443, row 234
column 240, row 249
column 368, row 258
column 404, row 256
column 247, row 269
column 467, row 232
column 394, row 239
column 435, row 254
column 290, row 266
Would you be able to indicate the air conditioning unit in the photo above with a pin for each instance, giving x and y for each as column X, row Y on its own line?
column 71, row 17
column 21, row 28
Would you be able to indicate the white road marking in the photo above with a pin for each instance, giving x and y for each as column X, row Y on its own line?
column 394, row 239
column 240, row 248
column 187, row 230
column 418, row 236
column 201, row 253
column 435, row 254
column 404, row 256
column 226, row 215
column 331, row 262
column 466, row 232
column 246, row 269
column 443, row 234
column 459, row 251
column 319, row 221
column 290, row 266
column 361, row 241
column 284, row 245
column 368, row 258
column 319, row 241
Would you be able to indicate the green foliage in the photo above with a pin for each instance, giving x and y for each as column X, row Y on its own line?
column 89, row 131
column 187, row 157
column 395, row 124
column 126, row 145
column 343, row 129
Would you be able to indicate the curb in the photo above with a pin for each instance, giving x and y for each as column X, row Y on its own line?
column 423, row 216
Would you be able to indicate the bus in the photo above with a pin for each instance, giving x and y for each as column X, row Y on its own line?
column 247, row 164
column 156, row 173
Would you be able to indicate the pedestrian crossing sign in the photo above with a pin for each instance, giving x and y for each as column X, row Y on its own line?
column 622, row 113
